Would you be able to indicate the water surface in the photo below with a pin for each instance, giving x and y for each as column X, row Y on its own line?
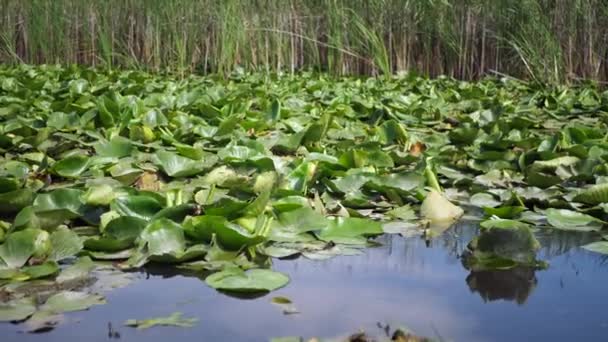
column 406, row 281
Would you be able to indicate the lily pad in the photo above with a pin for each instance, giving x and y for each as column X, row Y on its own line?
column 68, row 301
column 572, row 220
column 175, row 320
column 18, row 309
column 256, row 280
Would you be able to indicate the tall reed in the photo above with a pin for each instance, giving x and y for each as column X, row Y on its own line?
column 548, row 40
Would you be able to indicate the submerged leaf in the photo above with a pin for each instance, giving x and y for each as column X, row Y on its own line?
column 17, row 310
column 175, row 319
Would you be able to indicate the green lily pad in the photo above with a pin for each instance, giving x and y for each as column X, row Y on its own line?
column 347, row 229
column 21, row 245
column 598, row 247
column 71, row 167
column 234, row 279
column 139, row 206
column 164, row 236
column 17, row 310
column 68, row 301
column 572, row 220
column 230, row 235
column 64, row 243
column 175, row 165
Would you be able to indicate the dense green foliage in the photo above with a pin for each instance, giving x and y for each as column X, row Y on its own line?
column 222, row 175
column 551, row 40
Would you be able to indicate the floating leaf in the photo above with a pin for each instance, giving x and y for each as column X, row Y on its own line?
column 142, row 207
column 175, row 165
column 175, row 319
column 345, row 229
column 256, row 280
column 71, row 167
column 572, row 220
column 21, row 245
column 595, row 194
column 68, row 301
column 79, row 270
column 17, row 310
column 598, row 247
column 64, row 243
column 230, row 235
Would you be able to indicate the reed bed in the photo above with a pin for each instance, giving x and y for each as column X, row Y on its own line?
column 546, row 40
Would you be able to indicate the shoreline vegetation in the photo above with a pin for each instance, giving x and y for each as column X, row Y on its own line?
column 557, row 41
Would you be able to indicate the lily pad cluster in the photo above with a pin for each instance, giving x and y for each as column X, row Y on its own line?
column 222, row 174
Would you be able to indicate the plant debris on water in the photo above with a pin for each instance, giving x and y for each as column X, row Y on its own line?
column 175, row 319
column 220, row 175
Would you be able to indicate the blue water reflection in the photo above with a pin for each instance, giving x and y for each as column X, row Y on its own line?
column 405, row 282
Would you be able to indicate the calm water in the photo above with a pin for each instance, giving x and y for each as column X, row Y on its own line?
column 405, row 282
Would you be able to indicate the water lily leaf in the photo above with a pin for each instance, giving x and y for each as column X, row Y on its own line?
column 79, row 270
column 342, row 229
column 234, row 279
column 18, row 309
column 99, row 195
column 68, row 301
column 43, row 320
column 405, row 213
column 138, row 206
column 21, row 245
column 398, row 181
column 593, row 195
column 121, row 254
column 126, row 228
column 230, row 235
column 436, row 208
column 351, row 183
column 57, row 206
column 106, row 244
column 175, row 165
column 118, row 147
column 572, row 220
column 175, row 319
column 164, row 236
column 71, row 167
column 405, row 229
column 289, row 203
column 598, row 247
column 280, row 252
column 226, row 206
column 65, row 243
column 177, row 213
column 328, row 253
column 190, row 253
column 13, row 201
column 43, row 270
column 483, row 199
column 303, row 220
column 506, row 212
column 544, row 165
